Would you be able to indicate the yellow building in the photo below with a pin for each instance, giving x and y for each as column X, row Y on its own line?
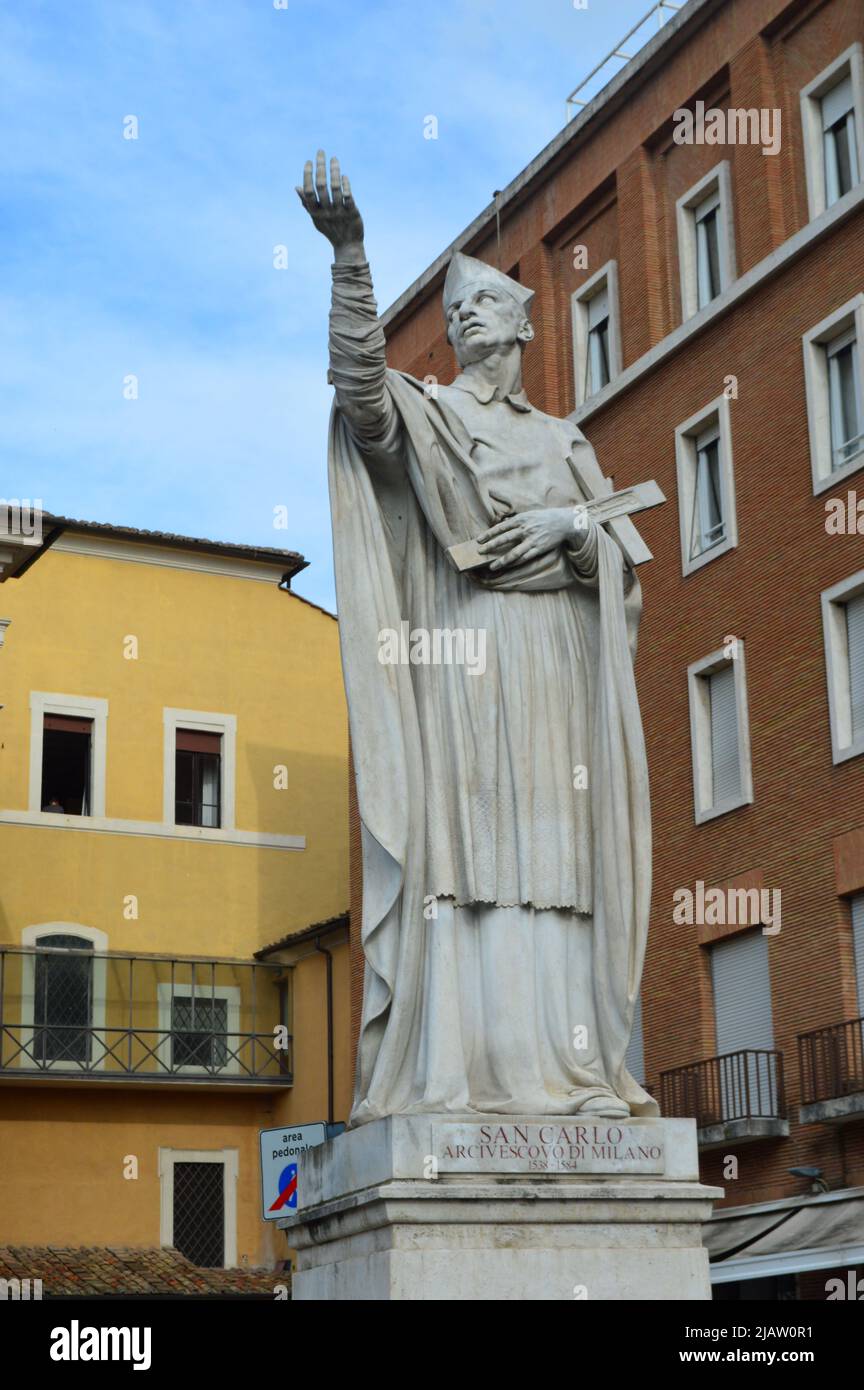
column 173, row 825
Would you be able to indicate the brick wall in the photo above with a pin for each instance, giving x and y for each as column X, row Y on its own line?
column 614, row 192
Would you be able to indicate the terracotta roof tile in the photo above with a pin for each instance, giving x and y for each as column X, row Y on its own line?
column 91, row 1271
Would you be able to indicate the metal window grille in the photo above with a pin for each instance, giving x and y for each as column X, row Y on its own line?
column 195, row 1024
column 63, row 1002
column 199, row 1213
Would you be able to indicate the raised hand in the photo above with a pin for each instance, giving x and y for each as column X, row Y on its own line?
column 333, row 210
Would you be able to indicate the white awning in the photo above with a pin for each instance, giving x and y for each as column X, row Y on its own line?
column 824, row 1232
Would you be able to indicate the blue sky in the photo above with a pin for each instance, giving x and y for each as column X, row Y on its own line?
column 154, row 257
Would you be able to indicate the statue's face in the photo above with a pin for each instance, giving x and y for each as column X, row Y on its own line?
column 486, row 320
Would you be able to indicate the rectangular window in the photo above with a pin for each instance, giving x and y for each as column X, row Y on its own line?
column 198, row 1204
column 199, row 1027
column 744, row 1023
column 199, row 1213
column 834, row 381
column 858, row 947
column 832, row 121
column 596, row 343
column 706, row 240
column 706, row 487
column 708, row 280
column 843, row 625
column 854, row 612
column 838, row 140
column 597, row 363
column 844, row 390
column 725, row 765
column 67, row 752
column 198, row 778
column 719, row 734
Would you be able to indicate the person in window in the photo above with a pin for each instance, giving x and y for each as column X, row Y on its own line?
column 54, row 805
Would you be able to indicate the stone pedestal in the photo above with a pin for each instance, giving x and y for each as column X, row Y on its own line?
column 502, row 1207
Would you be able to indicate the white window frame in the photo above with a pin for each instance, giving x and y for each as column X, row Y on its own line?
column 77, row 707
column 604, row 278
column 203, row 722
column 843, row 746
column 231, row 993
column 229, row 1159
column 700, row 733
column 816, row 384
column 850, row 64
column 30, row 936
column 719, row 180
column 686, row 437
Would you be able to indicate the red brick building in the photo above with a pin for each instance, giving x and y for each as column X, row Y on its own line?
column 699, row 314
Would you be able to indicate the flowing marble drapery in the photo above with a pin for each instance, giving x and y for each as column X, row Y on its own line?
column 488, row 878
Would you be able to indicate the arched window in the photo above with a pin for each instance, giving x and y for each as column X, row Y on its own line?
column 63, row 1000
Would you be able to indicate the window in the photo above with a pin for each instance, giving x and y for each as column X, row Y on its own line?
column 198, row 1196
column 68, row 736
column 197, row 1029
column 743, row 1020
column 708, row 283
column 844, row 394
column 706, row 242
column 200, row 1027
column 67, row 745
column 831, row 118
column 719, row 733
column 63, row 998
column 858, row 946
column 199, row 1213
column 843, row 625
column 596, row 346
column 706, row 486
column 198, row 778
column 199, row 769
column 838, row 140
column 834, row 380
column 63, row 1005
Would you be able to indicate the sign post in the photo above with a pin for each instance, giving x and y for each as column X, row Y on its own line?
column 281, row 1152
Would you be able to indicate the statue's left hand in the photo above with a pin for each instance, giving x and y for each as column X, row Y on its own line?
column 533, row 533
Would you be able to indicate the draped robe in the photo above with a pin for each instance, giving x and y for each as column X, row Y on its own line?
column 505, row 817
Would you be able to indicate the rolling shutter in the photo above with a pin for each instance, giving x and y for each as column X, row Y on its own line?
column 634, row 1059
column 858, row 940
column 742, row 993
column 725, row 766
column 855, row 641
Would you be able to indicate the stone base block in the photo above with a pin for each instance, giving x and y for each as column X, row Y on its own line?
column 502, row 1207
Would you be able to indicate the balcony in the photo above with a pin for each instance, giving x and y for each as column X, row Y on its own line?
column 832, row 1072
column 736, row 1098
column 69, row 1013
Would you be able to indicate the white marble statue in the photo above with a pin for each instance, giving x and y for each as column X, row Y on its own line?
column 503, row 792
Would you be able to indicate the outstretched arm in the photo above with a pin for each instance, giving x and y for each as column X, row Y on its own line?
column 357, row 350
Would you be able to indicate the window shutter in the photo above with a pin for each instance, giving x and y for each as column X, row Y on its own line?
column 858, row 943
column 742, row 993
column 194, row 741
column 635, row 1057
column 726, row 771
column 855, row 642
column 836, row 103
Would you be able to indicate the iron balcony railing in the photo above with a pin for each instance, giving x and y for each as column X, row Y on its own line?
column 745, row 1085
column 832, row 1061
column 67, row 1011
